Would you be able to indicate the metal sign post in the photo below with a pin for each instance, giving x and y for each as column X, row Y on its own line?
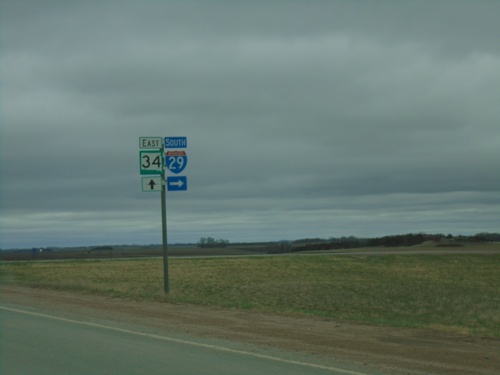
column 153, row 160
column 166, row 284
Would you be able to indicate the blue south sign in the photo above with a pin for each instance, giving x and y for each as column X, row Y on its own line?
column 175, row 142
column 175, row 161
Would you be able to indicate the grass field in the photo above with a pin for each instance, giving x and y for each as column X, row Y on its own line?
column 451, row 293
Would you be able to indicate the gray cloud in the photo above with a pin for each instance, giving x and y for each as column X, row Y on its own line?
column 303, row 119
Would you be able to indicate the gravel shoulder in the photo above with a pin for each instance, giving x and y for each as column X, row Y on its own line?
column 379, row 349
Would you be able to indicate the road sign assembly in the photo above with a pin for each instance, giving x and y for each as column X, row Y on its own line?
column 153, row 159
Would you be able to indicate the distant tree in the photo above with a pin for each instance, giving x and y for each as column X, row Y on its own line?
column 209, row 242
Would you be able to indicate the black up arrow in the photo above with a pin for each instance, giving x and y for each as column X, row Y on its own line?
column 152, row 184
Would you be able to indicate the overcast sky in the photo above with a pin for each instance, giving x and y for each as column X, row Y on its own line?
column 303, row 118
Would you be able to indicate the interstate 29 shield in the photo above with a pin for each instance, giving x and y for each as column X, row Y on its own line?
column 175, row 161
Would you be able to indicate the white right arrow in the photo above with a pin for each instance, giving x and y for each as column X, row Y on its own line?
column 177, row 183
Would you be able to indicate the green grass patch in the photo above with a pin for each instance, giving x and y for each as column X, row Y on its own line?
column 453, row 293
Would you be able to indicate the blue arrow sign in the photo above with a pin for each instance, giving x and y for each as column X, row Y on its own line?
column 176, row 183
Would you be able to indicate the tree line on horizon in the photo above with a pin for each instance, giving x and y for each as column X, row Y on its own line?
column 307, row 244
column 409, row 239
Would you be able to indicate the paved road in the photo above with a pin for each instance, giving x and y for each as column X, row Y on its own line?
column 34, row 343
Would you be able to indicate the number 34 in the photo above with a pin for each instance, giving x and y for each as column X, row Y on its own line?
column 151, row 161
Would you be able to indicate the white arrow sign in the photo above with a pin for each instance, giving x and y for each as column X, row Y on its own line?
column 150, row 184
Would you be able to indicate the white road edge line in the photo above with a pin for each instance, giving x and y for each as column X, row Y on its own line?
column 186, row 342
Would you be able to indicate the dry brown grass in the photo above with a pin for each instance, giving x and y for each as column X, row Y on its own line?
column 455, row 293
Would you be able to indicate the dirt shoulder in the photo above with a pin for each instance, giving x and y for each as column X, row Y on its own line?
column 386, row 350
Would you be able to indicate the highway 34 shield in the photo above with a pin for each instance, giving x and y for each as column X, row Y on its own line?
column 151, row 162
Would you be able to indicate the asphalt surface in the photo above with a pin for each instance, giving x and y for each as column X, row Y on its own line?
column 35, row 343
